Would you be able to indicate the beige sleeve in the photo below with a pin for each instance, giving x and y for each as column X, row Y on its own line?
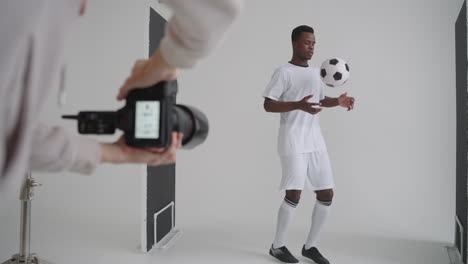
column 53, row 149
column 195, row 29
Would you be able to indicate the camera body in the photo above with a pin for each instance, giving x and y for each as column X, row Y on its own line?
column 148, row 118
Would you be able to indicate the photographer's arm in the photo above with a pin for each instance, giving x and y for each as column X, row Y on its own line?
column 195, row 29
column 191, row 33
column 53, row 149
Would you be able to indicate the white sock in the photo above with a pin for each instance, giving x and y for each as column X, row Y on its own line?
column 285, row 214
column 319, row 217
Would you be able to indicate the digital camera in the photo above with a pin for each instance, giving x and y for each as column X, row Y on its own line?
column 148, row 118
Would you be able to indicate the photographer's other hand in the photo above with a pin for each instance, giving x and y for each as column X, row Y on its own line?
column 146, row 73
column 120, row 152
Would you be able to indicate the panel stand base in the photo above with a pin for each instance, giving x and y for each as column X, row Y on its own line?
column 454, row 255
column 169, row 240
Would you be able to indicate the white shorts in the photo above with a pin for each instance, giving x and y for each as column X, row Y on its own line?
column 311, row 170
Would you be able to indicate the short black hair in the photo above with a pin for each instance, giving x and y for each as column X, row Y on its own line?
column 296, row 33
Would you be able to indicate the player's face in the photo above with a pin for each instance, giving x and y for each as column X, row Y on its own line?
column 304, row 46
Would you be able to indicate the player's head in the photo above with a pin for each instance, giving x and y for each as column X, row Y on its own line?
column 303, row 42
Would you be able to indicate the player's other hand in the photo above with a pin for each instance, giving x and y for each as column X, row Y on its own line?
column 346, row 101
column 120, row 152
column 307, row 106
column 146, row 73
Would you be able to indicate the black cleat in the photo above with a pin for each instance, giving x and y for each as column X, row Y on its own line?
column 282, row 254
column 313, row 254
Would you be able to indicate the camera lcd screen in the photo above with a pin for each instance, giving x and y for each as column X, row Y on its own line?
column 147, row 119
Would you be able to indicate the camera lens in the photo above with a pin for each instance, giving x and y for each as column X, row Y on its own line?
column 192, row 123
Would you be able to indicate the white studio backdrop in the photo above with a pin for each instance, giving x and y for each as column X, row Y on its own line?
column 393, row 156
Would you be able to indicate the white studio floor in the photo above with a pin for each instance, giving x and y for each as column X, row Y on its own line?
column 76, row 221
column 79, row 241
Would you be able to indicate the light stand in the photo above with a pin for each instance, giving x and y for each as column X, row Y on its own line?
column 26, row 196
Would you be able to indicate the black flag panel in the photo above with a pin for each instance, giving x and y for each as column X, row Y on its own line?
column 462, row 133
column 160, row 182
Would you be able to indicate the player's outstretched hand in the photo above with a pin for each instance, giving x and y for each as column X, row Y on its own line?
column 308, row 107
column 346, row 101
column 146, row 73
column 120, row 152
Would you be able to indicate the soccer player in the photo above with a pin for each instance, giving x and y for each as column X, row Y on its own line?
column 297, row 92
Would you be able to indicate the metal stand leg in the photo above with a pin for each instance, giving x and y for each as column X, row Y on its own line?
column 24, row 256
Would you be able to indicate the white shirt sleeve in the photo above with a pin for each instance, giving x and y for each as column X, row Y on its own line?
column 53, row 149
column 277, row 85
column 195, row 29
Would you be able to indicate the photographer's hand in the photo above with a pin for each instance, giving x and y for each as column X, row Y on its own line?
column 146, row 73
column 120, row 152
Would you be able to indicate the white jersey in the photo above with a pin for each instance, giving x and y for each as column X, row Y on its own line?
column 299, row 131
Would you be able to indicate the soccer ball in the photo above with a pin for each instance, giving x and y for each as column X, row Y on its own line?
column 334, row 72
